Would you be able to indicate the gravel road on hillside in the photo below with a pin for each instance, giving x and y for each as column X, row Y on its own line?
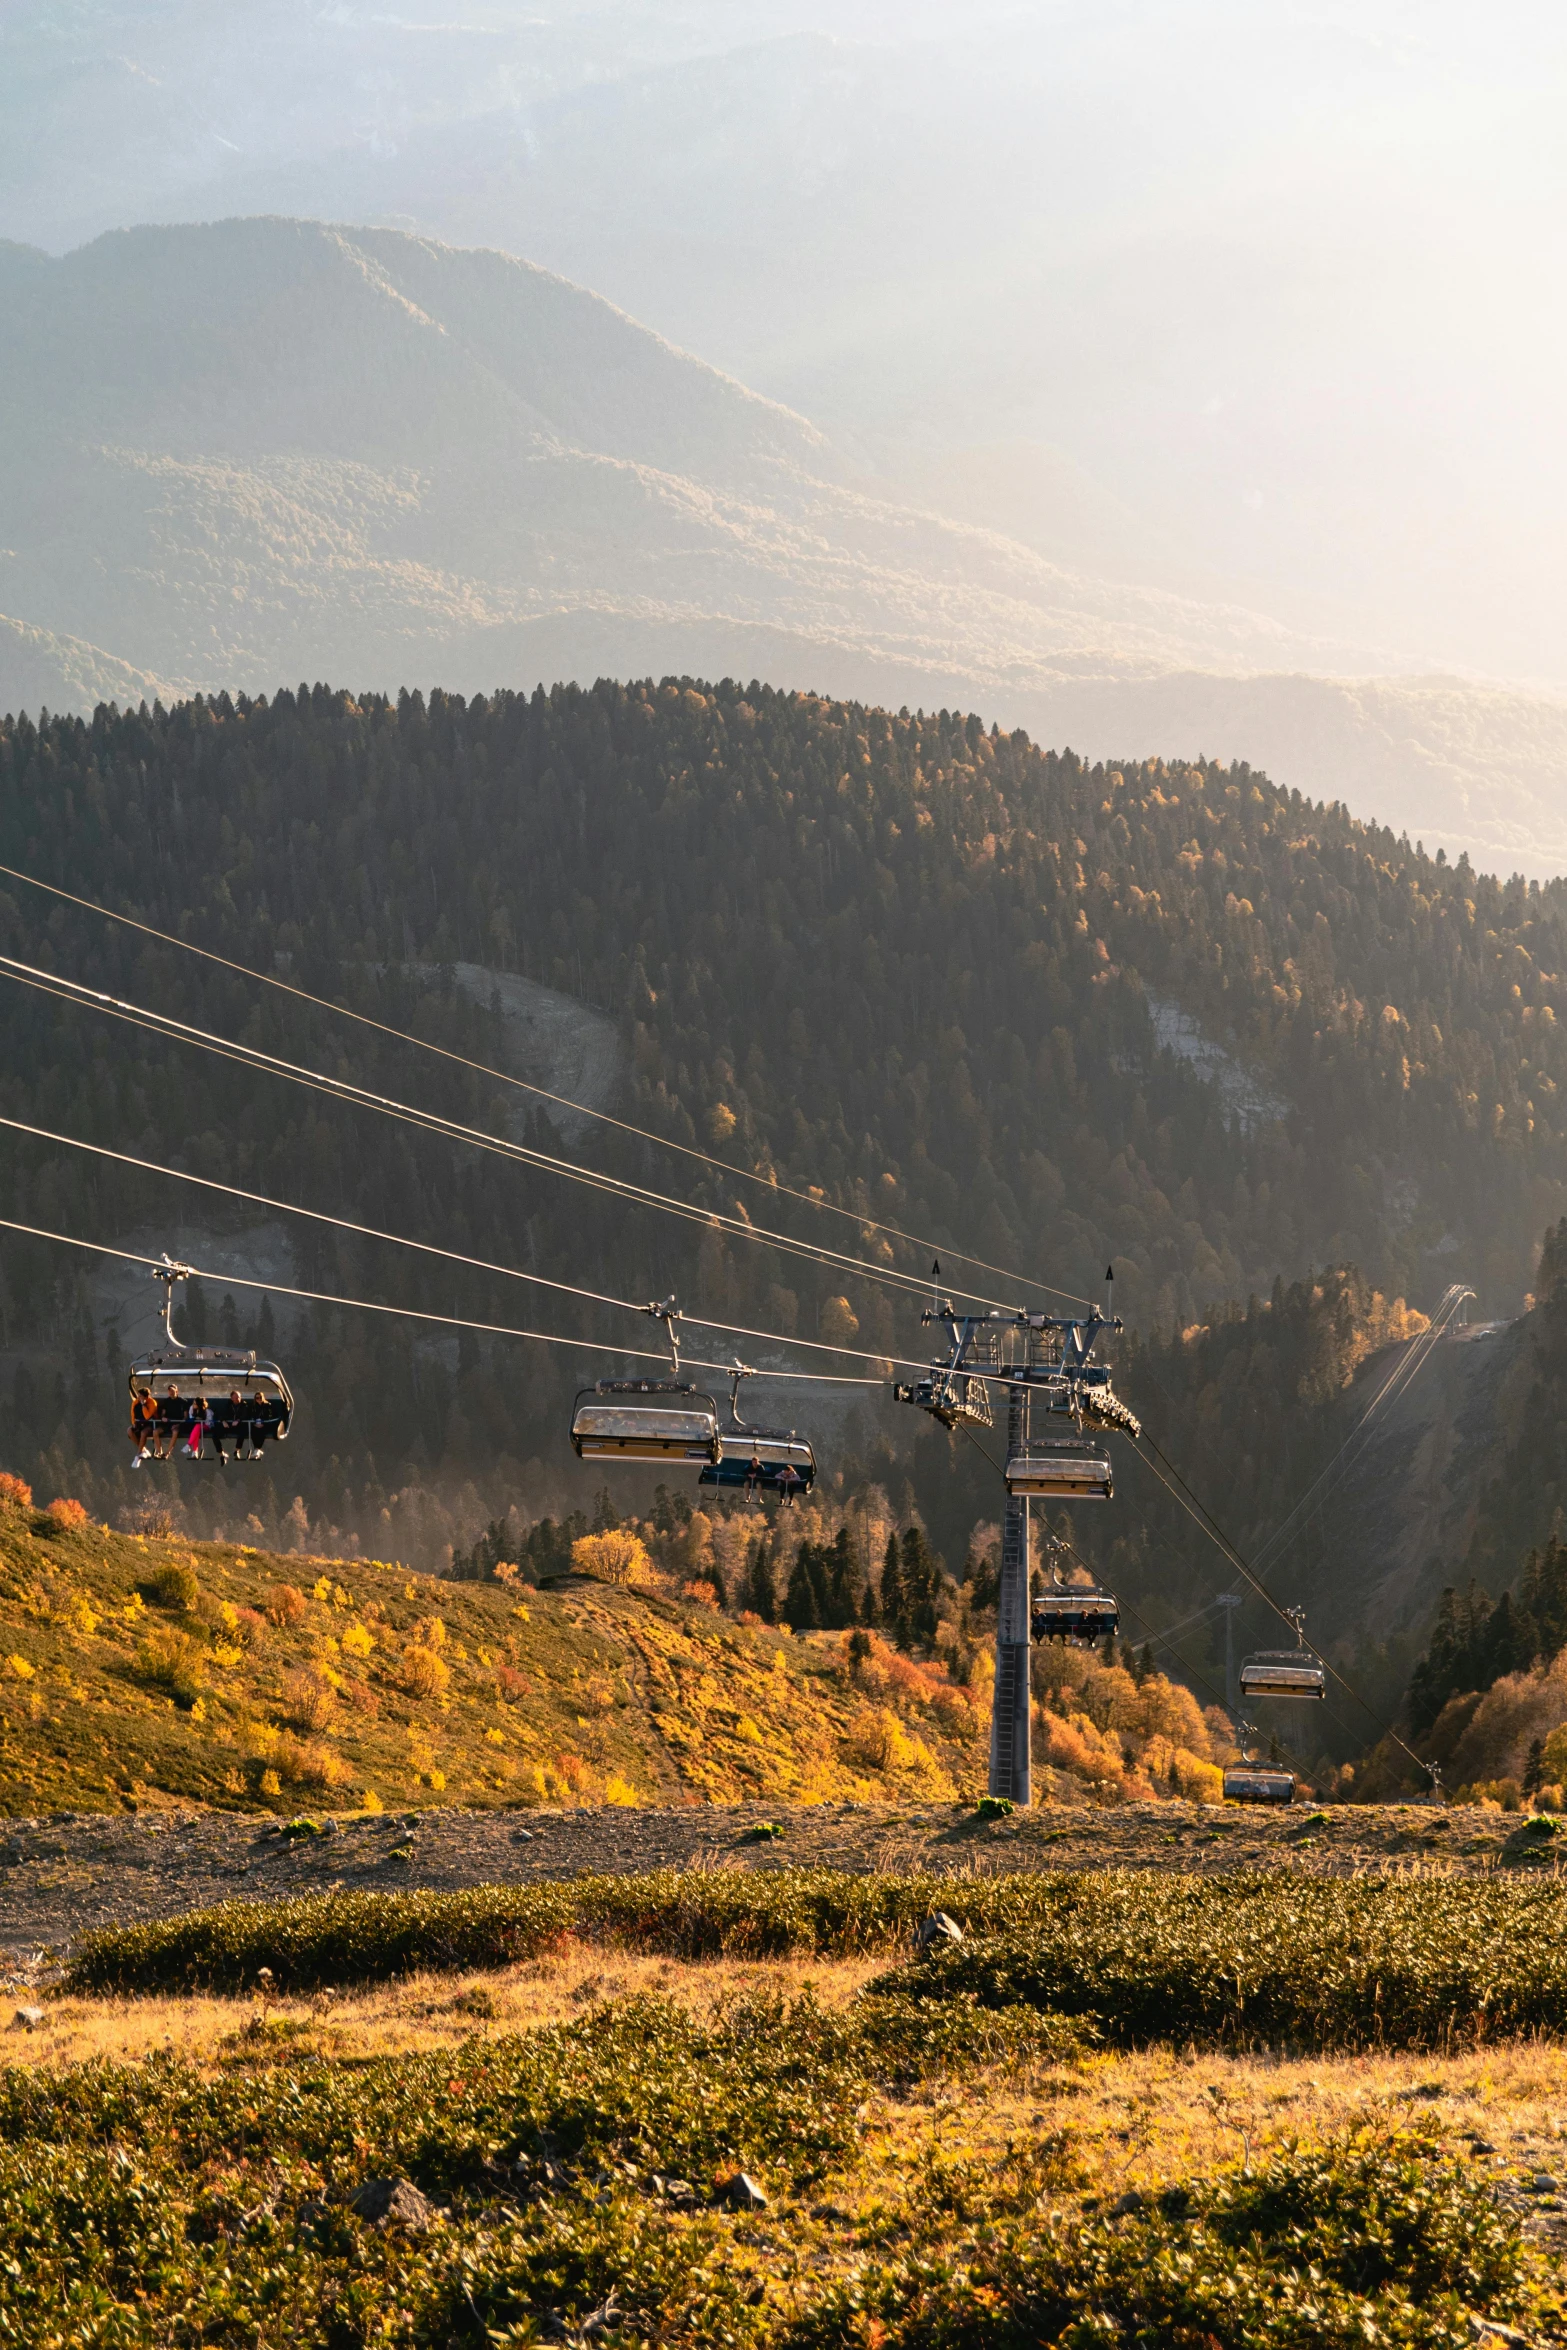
column 60, row 1877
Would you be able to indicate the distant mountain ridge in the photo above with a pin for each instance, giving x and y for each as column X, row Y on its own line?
column 242, row 454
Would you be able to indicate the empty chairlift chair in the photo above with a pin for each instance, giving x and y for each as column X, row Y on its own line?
column 1250, row 1781
column 1285, row 1672
column 1061, row 1470
column 647, row 1419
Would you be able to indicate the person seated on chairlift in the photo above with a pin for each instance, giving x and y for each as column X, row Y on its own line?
column 144, row 1426
column 753, row 1476
column 234, row 1421
column 173, row 1416
column 788, row 1484
column 267, row 1422
column 219, row 1423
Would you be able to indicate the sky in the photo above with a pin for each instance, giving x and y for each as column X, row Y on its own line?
column 1254, row 302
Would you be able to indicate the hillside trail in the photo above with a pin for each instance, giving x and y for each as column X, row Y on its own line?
column 63, row 1876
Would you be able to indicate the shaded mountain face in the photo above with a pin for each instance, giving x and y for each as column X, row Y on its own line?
column 237, row 455
column 1041, row 1012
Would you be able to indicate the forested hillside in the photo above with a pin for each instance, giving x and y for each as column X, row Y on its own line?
column 1045, row 1013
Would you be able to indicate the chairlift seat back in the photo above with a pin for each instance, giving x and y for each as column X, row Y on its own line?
column 1283, row 1672
column 774, row 1450
column 1258, row 1783
column 641, row 1420
column 1062, row 1472
column 1075, row 1615
column 208, row 1376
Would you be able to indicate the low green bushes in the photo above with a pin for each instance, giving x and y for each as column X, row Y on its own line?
column 1320, row 1962
column 1363, row 2241
column 369, row 1937
column 571, row 2186
column 1309, row 1962
column 147, row 2205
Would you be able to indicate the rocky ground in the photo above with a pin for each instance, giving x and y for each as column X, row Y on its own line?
column 63, row 1875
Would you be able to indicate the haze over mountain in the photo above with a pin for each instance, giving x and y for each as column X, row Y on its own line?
column 240, row 454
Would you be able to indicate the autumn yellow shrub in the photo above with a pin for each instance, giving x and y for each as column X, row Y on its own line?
column 423, row 1673
column 616, row 1556
column 173, row 1662
column 284, row 1605
column 15, row 1492
column 878, row 1741
column 67, row 1515
column 308, row 1699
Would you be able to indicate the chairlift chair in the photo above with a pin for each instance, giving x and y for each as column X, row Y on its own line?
column 647, row 1419
column 644, row 1420
column 767, row 1460
column 1286, row 1672
column 1250, row 1781
column 211, row 1374
column 1061, row 1471
column 1082, row 1617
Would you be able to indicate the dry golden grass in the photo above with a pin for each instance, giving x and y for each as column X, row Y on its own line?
column 1130, row 2121
column 423, row 2012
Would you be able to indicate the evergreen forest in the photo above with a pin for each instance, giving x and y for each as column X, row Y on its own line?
column 1285, row 1071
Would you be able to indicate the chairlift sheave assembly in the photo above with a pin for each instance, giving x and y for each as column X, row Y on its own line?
column 1250, row 1781
column 1049, row 1356
column 184, row 1397
column 756, row 1460
column 648, row 1419
column 1286, row 1672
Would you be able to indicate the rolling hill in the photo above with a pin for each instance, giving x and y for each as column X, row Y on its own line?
column 146, row 1668
column 240, row 454
column 1030, row 1009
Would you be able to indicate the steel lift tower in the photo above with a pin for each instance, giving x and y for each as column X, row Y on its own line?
column 1043, row 1360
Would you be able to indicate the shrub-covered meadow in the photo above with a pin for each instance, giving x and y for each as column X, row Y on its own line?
column 1309, row 1962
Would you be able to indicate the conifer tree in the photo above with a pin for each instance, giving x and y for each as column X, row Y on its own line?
column 893, row 1605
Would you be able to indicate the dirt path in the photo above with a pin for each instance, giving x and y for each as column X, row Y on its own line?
column 62, row 1876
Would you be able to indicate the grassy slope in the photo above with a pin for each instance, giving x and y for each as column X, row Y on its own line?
column 607, row 1694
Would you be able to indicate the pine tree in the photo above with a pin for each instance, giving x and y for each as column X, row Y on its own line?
column 893, row 1605
column 761, row 1593
column 843, row 1583
column 803, row 1598
column 922, row 1584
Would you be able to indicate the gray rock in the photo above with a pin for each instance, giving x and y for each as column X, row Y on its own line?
column 28, row 2019
column 741, row 2193
column 388, row 2203
column 937, row 1931
column 1124, row 2205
